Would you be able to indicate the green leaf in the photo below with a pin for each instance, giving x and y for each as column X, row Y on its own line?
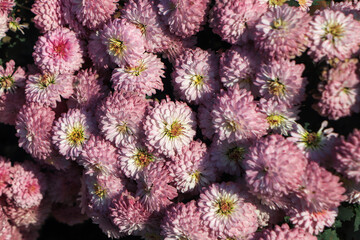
column 328, row 234
column 357, row 219
column 337, row 224
column 345, row 214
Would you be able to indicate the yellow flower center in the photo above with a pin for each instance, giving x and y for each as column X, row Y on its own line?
column 196, row 175
column 6, row 82
column 137, row 70
column 232, row 126
column 312, row 140
column 143, row 158
column 123, row 128
column 278, row 23
column 99, row 191
column 277, row 2
column 46, row 80
column 335, row 29
column 236, row 154
column 176, row 129
column 198, row 80
column 116, row 46
column 224, row 207
column 276, row 87
column 76, row 137
column 275, row 120
column 142, row 27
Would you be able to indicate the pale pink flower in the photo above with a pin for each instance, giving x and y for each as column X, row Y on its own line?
column 4, row 19
column 6, row 6
column 285, row 233
column 305, row 4
column 11, row 79
column 48, row 14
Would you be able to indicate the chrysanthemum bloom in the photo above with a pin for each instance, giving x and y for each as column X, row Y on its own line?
column 333, row 35
column 123, row 42
column 184, row 17
column 89, row 90
column 282, row 81
column 182, row 221
column 274, row 167
column 228, row 157
column 102, row 189
column 27, row 217
column 317, row 146
column 120, row 117
column 71, row 131
column 11, row 79
column 191, row 168
column 6, row 6
column 284, row 233
column 175, row 46
column 70, row 18
column 134, row 158
column 28, row 186
column 347, row 156
column 93, row 13
column 280, row 117
column 98, row 52
column 5, row 227
column 236, row 117
column 4, row 19
column 195, row 75
column 5, row 168
column 235, row 20
column 153, row 187
column 222, row 207
column 352, row 191
column 98, row 156
column 313, row 222
column 281, row 32
column 10, row 105
column 204, row 119
column 47, row 89
column 106, row 225
column 143, row 13
column 305, row 4
column 58, row 51
column 129, row 215
column 33, row 126
column 267, row 216
column 238, row 66
column 319, row 189
column 273, row 3
column 48, row 15
column 347, row 7
column 341, row 95
column 144, row 77
column 170, row 126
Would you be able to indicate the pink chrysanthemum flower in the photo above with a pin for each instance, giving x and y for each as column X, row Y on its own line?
column 191, row 168
column 341, row 95
column 285, row 233
column 143, row 13
column 184, row 17
column 120, row 117
column 6, row 6
column 169, row 127
column 347, row 156
column 129, row 215
column 5, row 169
column 282, row 81
column 144, row 77
column 93, row 13
column 238, row 66
column 10, row 105
column 174, row 46
column 235, row 20
column 305, row 4
column 98, row 52
column 134, row 158
column 11, row 79
column 47, row 89
column 153, row 188
column 102, row 189
column 280, row 117
column 5, row 227
column 228, row 157
column 182, row 221
column 28, row 186
column 313, row 222
column 222, row 207
column 58, row 51
column 71, row 131
column 274, row 167
column 236, row 117
column 123, row 42
column 317, row 146
column 33, row 126
column 347, row 7
column 107, row 226
column 48, row 15
column 319, row 189
column 333, row 35
column 281, row 32
column 70, row 18
column 4, row 19
column 89, row 90
column 98, row 156
column 204, row 119
column 195, row 75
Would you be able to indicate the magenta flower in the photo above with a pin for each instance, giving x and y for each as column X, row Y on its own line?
column 98, row 52
column 10, row 105
column 195, row 75
column 58, row 51
column 284, row 233
column 236, row 117
column 5, row 170
column 6, row 6
column 48, row 14
column 144, row 77
column 11, row 79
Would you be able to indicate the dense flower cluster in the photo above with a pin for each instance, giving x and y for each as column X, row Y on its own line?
column 133, row 124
